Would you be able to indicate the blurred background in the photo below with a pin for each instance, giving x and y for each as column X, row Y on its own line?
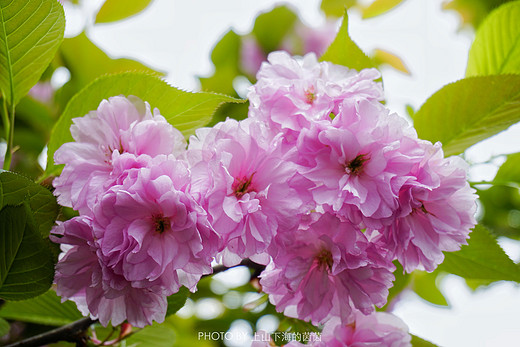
column 420, row 45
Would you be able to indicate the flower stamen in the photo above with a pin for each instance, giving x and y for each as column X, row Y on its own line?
column 355, row 166
column 324, row 260
column 161, row 224
column 242, row 185
column 310, row 95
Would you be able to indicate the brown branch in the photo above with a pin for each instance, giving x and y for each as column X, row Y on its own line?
column 246, row 262
column 73, row 332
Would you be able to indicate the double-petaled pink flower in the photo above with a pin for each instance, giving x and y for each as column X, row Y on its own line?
column 376, row 329
column 326, row 269
column 81, row 276
column 292, row 94
column 146, row 237
column 247, row 187
column 436, row 211
column 119, row 125
column 360, row 161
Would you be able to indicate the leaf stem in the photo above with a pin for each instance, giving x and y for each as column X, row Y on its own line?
column 10, row 134
column 5, row 118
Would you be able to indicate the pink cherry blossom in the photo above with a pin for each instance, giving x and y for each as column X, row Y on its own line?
column 249, row 191
column 436, row 211
column 306, row 39
column 325, row 270
column 251, row 55
column 291, row 94
column 360, row 161
column 82, row 277
column 122, row 125
column 379, row 329
column 42, row 92
column 150, row 228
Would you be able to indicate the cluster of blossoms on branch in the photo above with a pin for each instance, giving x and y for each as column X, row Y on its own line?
column 320, row 183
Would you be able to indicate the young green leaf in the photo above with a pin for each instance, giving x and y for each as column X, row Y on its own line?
column 401, row 282
column 15, row 189
column 424, row 285
column 468, row 111
column 184, row 110
column 510, row 170
column 378, row 7
column 496, row 49
column 156, row 335
column 177, row 301
column 30, row 33
column 472, row 12
column 225, row 58
column 336, row 8
column 481, row 259
column 382, row 57
column 418, row 342
column 344, row 51
column 27, row 264
column 86, row 62
column 501, row 210
column 270, row 28
column 114, row 10
column 45, row 309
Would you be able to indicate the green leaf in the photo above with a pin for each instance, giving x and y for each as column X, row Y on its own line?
column 4, row 327
column 424, row 284
column 468, row 111
column 382, row 57
column 15, row 189
column 270, row 28
column 418, row 342
column 336, row 8
column 344, row 51
column 156, row 335
column 114, row 10
column 509, row 171
column 481, row 259
column 86, row 62
column 473, row 11
column 378, row 7
column 30, row 33
column 225, row 58
column 45, row 309
column 27, row 265
column 184, row 110
column 402, row 279
column 501, row 210
column 35, row 116
column 496, row 49
column 177, row 301
column 476, row 284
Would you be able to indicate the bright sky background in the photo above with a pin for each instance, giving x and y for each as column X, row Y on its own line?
column 176, row 36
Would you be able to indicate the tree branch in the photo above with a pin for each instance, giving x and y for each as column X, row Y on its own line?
column 246, row 262
column 73, row 332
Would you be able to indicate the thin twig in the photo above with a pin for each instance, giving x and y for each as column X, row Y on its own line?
column 73, row 332
column 246, row 262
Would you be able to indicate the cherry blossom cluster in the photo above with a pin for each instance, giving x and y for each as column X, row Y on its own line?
column 140, row 234
column 321, row 183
